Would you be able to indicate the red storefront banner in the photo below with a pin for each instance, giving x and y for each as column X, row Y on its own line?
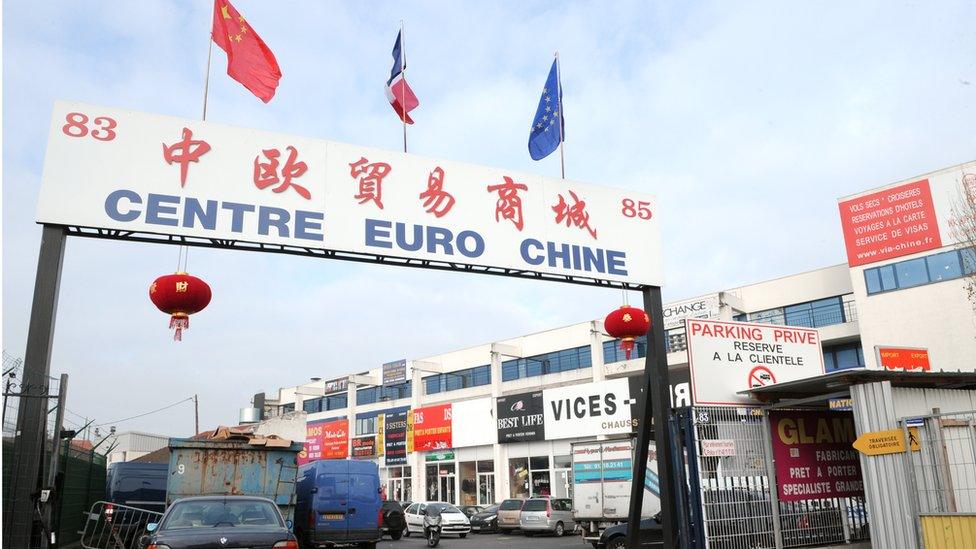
column 432, row 428
column 813, row 455
column 890, row 223
column 896, row 358
column 325, row 439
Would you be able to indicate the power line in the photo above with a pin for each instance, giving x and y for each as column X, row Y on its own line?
column 144, row 414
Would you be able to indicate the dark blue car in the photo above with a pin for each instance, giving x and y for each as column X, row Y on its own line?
column 338, row 503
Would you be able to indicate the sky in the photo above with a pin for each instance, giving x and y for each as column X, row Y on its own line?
column 747, row 120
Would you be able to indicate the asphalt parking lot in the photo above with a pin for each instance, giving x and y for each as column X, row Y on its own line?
column 474, row 541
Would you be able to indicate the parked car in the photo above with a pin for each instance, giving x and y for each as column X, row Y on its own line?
column 486, row 520
column 615, row 537
column 554, row 515
column 205, row 522
column 338, row 503
column 471, row 510
column 453, row 521
column 393, row 522
column 508, row 515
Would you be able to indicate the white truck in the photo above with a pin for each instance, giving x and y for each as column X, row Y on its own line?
column 602, row 477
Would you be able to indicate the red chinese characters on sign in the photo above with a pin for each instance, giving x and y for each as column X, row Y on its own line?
column 436, row 200
column 370, row 176
column 432, row 428
column 574, row 214
column 890, row 223
column 185, row 151
column 266, row 173
column 509, row 204
column 813, row 455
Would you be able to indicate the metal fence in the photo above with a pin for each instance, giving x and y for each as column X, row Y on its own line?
column 113, row 526
column 941, row 466
column 738, row 503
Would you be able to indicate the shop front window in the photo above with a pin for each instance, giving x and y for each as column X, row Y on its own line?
column 541, row 481
column 441, row 482
column 518, row 477
column 562, row 470
column 469, row 483
column 398, row 484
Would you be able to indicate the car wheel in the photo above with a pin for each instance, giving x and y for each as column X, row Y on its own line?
column 368, row 545
column 559, row 531
column 504, row 532
column 396, row 535
column 463, row 536
column 619, row 542
column 529, row 534
column 406, row 532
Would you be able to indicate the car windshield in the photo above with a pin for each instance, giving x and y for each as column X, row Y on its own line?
column 210, row 513
column 535, row 505
column 438, row 508
column 511, row 505
column 490, row 510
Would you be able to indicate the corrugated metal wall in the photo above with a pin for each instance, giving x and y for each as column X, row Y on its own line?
column 886, row 488
column 919, row 402
column 949, row 531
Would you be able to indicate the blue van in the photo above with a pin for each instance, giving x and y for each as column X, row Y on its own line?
column 338, row 503
column 136, row 484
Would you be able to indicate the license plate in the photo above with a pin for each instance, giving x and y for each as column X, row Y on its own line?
column 476, row 528
column 333, row 516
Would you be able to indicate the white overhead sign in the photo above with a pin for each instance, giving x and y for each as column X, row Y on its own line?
column 728, row 357
column 699, row 307
column 116, row 169
column 600, row 408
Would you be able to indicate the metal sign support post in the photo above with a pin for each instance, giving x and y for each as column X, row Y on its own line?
column 657, row 392
column 32, row 418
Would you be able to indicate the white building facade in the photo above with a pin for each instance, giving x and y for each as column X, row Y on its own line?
column 498, row 420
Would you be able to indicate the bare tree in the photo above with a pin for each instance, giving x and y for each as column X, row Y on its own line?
column 963, row 228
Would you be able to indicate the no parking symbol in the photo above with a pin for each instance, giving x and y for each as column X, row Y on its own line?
column 760, row 376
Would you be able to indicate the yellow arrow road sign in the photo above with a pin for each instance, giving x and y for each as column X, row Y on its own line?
column 891, row 441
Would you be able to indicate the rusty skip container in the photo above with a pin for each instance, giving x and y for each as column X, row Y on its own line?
column 233, row 467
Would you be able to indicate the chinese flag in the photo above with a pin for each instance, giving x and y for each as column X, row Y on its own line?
column 249, row 60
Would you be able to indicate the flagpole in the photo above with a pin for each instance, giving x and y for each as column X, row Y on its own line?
column 559, row 103
column 206, row 80
column 403, row 88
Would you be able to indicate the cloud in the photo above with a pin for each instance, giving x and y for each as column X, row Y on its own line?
column 747, row 121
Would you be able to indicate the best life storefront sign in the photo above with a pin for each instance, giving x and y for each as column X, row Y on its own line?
column 521, row 417
column 326, row 439
column 116, row 169
column 813, row 455
column 728, row 357
column 906, row 218
column 902, row 358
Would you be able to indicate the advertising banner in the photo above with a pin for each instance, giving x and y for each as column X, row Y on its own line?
column 601, row 408
column 325, row 439
column 728, row 357
column 900, row 358
column 699, row 307
column 364, row 446
column 813, row 455
column 394, row 372
column 475, row 419
column 906, row 218
column 432, row 428
column 337, row 385
column 117, row 169
column 521, row 417
column 395, row 437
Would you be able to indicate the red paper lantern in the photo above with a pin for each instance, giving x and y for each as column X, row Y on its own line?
column 627, row 323
column 179, row 295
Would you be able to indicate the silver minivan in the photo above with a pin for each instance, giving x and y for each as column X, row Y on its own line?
column 547, row 515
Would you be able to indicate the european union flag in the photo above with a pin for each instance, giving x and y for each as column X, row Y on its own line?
column 546, row 133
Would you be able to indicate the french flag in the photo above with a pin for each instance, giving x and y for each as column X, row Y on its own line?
column 397, row 90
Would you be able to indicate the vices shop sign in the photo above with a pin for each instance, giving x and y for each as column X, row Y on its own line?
column 601, row 408
column 813, row 455
column 521, row 417
column 327, row 439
